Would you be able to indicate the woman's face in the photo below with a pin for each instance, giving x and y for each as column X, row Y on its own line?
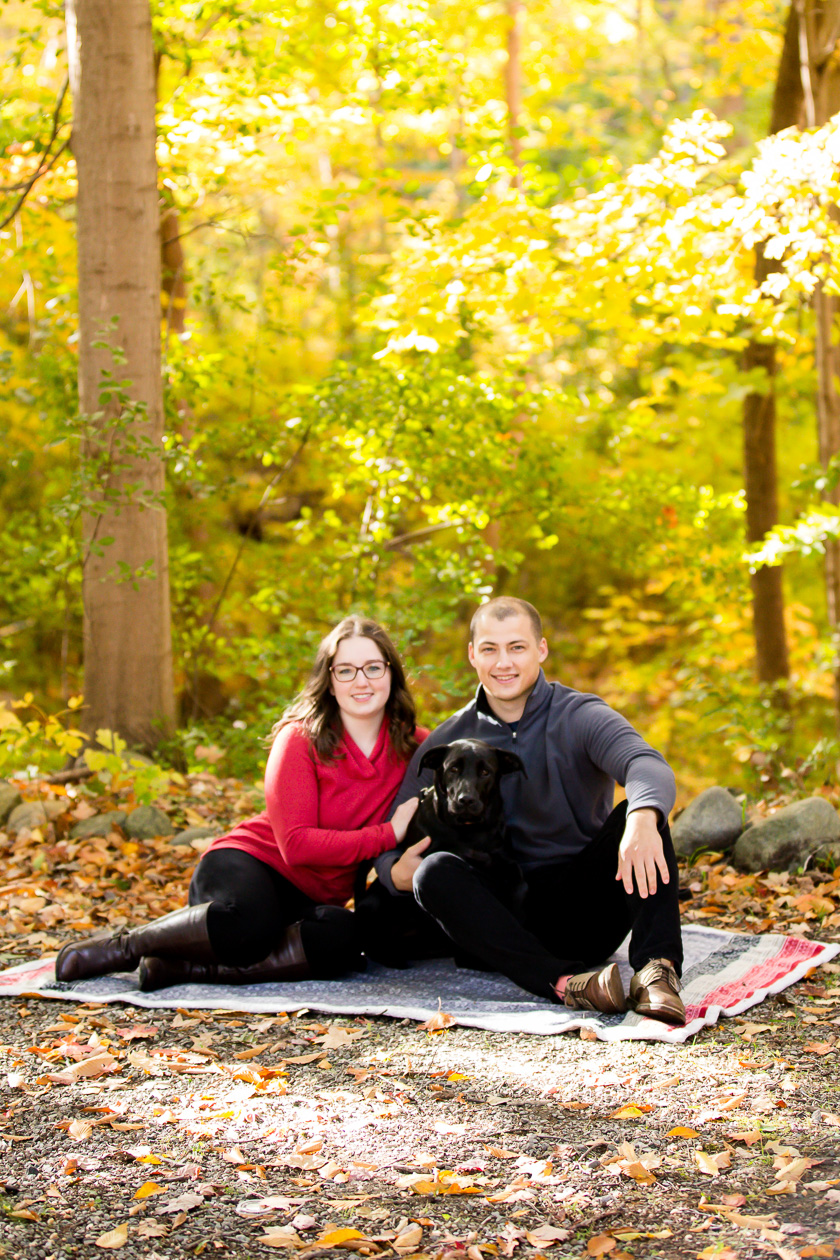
column 360, row 697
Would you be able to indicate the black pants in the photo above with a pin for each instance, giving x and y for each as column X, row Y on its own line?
column 251, row 907
column 574, row 915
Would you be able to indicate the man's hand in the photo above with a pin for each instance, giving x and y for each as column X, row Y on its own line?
column 402, row 872
column 640, row 853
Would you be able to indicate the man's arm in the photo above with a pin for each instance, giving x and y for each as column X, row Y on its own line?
column 613, row 745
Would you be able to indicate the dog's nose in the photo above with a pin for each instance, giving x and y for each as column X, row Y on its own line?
column 468, row 802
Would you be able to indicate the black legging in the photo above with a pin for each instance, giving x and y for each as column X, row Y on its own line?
column 251, row 907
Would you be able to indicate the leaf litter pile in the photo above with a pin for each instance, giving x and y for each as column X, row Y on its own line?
column 161, row 1134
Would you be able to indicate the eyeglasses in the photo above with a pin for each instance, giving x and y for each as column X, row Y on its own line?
column 370, row 669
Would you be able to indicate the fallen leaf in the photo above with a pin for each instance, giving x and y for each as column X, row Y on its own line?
column 184, row 1203
column 281, row 1236
column 752, row 1030
column 96, row 1065
column 547, row 1235
column 137, row 1032
column 683, row 1132
column 148, row 1188
column 79, row 1130
column 254, row 1051
column 819, row 1047
column 438, row 1022
column 794, row 1170
column 336, row 1037
column 114, row 1239
column 628, row 1112
column 600, row 1245
column 587, row 1034
column 339, row 1238
column 152, row 1229
column 711, row 1165
column 408, row 1239
column 716, row 1252
column 748, row 1138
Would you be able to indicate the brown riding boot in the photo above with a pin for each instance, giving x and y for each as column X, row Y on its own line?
column 180, row 934
column 286, row 962
column 601, row 990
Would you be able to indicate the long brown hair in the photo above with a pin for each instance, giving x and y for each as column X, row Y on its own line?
column 316, row 708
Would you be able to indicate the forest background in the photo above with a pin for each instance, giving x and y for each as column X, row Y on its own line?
column 456, row 300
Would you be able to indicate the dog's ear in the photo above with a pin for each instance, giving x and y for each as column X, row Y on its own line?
column 509, row 763
column 434, row 758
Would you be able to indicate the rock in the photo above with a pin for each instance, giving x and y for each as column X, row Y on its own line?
column 187, row 836
column 10, row 798
column 98, row 825
column 785, row 839
column 147, row 821
column 35, row 813
column 713, row 820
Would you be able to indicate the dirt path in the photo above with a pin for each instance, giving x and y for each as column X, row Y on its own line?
column 459, row 1141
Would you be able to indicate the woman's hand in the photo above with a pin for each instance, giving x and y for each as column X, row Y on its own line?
column 403, row 815
column 402, row 872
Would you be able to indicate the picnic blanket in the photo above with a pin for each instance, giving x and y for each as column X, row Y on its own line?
column 724, row 974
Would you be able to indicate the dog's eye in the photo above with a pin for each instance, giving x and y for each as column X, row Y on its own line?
column 484, row 772
column 456, row 767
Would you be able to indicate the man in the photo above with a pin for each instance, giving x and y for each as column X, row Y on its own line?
column 593, row 873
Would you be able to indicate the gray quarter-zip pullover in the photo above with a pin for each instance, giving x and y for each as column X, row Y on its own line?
column 575, row 748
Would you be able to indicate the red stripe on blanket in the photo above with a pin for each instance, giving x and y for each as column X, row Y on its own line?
column 762, row 976
column 38, row 975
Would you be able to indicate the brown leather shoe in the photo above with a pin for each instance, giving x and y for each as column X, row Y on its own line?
column 655, row 992
column 597, row 991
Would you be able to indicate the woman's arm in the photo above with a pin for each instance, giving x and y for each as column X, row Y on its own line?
column 291, row 797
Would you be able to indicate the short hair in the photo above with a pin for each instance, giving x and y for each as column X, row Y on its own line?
column 504, row 606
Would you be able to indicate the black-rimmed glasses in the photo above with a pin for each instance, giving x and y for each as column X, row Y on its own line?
column 370, row 669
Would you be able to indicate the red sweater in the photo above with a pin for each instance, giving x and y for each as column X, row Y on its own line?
column 322, row 819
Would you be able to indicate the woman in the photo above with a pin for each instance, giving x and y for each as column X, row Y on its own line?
column 266, row 901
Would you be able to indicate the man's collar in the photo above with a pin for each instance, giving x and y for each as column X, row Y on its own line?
column 540, row 696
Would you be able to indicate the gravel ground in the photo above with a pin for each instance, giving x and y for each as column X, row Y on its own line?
column 166, row 1135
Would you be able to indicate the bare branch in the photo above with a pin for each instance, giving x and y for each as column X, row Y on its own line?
column 44, row 167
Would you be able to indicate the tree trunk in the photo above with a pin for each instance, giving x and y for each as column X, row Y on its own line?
column 127, row 643
column 513, row 84
column 173, row 281
column 760, row 480
column 819, row 31
column 759, row 416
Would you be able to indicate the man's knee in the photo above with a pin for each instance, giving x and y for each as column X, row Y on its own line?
column 436, row 880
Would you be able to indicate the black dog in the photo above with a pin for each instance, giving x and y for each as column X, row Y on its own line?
column 462, row 814
column 462, row 810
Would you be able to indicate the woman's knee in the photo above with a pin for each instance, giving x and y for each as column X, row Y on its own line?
column 331, row 941
column 437, row 879
column 238, row 936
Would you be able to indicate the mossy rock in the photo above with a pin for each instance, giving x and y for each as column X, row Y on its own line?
column 189, row 834
column 34, row 814
column 98, row 825
column 146, row 822
column 10, row 798
column 786, row 839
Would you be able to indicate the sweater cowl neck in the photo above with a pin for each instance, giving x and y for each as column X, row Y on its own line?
column 367, row 765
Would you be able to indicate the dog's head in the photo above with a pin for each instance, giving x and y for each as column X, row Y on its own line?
column 467, row 777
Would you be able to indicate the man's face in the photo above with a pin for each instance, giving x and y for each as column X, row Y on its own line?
column 506, row 656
